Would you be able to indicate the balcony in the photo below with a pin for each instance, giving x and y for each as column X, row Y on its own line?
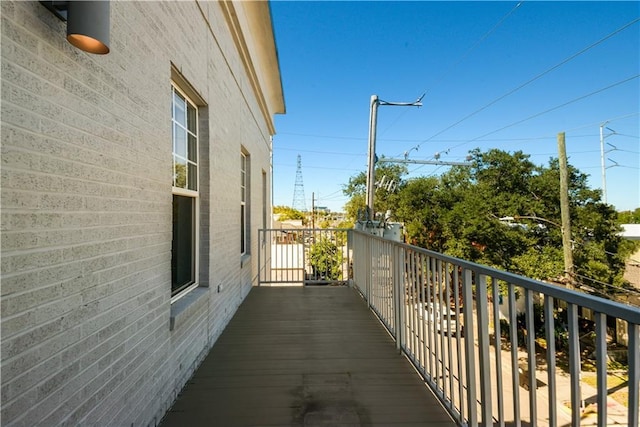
column 412, row 337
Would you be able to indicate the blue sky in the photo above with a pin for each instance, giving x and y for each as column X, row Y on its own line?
column 507, row 75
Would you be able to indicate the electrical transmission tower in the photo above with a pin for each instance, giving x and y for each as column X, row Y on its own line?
column 298, row 191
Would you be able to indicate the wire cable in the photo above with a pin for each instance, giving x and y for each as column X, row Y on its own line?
column 459, row 60
column 559, row 106
column 533, row 79
column 540, row 114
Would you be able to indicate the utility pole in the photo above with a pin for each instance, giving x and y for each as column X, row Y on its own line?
column 373, row 121
column 371, row 172
column 604, row 169
column 313, row 211
column 602, row 160
column 564, row 211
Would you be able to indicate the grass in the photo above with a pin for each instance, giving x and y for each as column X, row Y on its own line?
column 617, row 383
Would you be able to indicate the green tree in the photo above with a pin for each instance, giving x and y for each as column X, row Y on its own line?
column 326, row 259
column 458, row 214
column 420, row 208
column 629, row 217
column 288, row 213
column 356, row 189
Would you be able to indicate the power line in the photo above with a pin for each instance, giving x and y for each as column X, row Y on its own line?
column 323, row 136
column 593, row 124
column 559, row 106
column 628, row 136
column 459, row 60
column 540, row 113
column 319, row 167
column 475, row 45
column 322, row 152
column 531, row 138
column 512, row 91
column 606, row 284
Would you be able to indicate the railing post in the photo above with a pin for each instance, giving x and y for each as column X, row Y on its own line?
column 531, row 355
column 574, row 365
column 398, row 304
column 513, row 335
column 369, row 269
column 551, row 359
column 483, row 353
column 349, row 234
column 469, row 344
column 601, row 367
column 497, row 330
column 634, row 373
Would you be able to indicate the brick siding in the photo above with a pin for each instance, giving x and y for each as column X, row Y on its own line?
column 86, row 210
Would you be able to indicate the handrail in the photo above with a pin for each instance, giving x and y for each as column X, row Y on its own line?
column 479, row 376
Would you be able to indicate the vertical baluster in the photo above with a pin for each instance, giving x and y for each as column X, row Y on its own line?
column 634, row 373
column 513, row 335
column 432, row 339
column 437, row 319
column 551, row 359
column 601, row 367
column 574, row 365
column 456, row 293
column 450, row 332
column 498, row 349
column 483, row 350
column 467, row 289
column 531, row 357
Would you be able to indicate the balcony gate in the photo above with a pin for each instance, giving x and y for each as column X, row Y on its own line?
column 304, row 256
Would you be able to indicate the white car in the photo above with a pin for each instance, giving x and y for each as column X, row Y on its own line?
column 445, row 319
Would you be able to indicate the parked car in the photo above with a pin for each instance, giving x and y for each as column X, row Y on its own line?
column 445, row 319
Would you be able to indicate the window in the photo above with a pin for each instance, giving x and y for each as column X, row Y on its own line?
column 264, row 200
column 184, row 120
column 244, row 196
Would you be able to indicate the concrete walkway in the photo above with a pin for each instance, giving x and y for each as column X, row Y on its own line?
column 312, row 356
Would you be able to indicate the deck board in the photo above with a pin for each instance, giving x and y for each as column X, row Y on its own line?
column 314, row 356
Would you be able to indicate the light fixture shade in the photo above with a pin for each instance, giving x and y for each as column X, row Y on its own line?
column 88, row 25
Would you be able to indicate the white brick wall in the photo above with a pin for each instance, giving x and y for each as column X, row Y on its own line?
column 86, row 211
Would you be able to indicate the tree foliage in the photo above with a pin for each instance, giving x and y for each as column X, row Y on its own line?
column 326, row 259
column 356, row 190
column 287, row 213
column 629, row 217
column 459, row 214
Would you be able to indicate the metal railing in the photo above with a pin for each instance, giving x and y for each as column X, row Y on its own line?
column 498, row 348
column 304, row 256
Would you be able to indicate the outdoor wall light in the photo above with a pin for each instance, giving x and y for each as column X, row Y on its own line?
column 87, row 23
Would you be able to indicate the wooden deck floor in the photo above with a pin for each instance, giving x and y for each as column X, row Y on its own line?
column 313, row 356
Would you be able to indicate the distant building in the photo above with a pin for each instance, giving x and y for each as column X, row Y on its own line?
column 133, row 185
column 630, row 231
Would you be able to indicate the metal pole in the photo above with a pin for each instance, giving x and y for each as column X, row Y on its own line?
column 313, row 210
column 371, row 172
column 564, row 211
column 602, row 164
column 373, row 120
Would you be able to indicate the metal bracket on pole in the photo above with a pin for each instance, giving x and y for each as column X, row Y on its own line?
column 425, row 162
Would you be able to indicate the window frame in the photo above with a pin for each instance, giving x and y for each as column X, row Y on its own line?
column 244, row 188
column 186, row 192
